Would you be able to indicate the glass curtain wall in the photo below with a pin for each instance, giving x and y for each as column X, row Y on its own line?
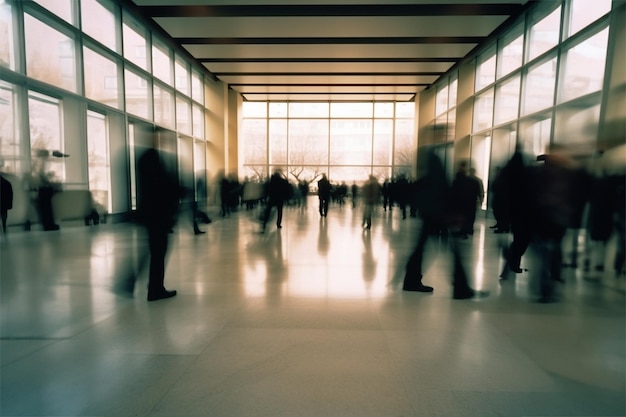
column 539, row 83
column 346, row 141
column 90, row 54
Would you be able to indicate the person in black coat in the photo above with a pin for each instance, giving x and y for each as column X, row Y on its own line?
column 278, row 191
column 158, row 197
column 6, row 200
column 323, row 192
column 436, row 212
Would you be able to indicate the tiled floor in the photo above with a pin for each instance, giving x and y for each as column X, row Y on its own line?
column 308, row 320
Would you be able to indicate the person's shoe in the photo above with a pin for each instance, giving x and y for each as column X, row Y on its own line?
column 199, row 232
column 418, row 288
column 161, row 295
column 516, row 269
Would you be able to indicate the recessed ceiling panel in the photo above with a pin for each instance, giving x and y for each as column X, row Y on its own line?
column 365, row 50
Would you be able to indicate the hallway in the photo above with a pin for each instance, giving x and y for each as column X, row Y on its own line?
column 308, row 320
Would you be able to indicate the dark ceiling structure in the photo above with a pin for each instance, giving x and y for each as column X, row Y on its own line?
column 354, row 51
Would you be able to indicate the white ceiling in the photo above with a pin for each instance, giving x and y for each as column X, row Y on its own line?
column 325, row 50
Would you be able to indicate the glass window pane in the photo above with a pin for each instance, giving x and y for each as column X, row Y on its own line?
column 100, row 78
column 9, row 131
column 199, row 165
column 137, row 95
column 539, row 87
column 183, row 115
column 351, row 110
column 63, row 9
column 405, row 143
column 383, row 109
column 583, row 71
column 98, row 21
column 454, row 86
column 342, row 174
column 511, row 53
column 253, row 139
column 308, row 109
column 50, row 55
column 383, row 134
column 135, row 46
column 278, row 142
column 7, row 50
column 198, row 121
column 507, row 101
column 182, row 76
column 405, row 109
column 197, row 87
column 577, row 125
column 451, row 126
column 278, row 109
column 544, row 34
column 161, row 63
column 584, row 12
column 441, row 102
column 351, row 142
column 98, row 159
column 535, row 135
column 483, row 111
column 163, row 106
column 308, row 143
column 486, row 71
column 45, row 137
column 254, row 109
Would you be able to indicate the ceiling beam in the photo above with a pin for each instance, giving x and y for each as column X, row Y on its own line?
column 332, row 41
column 327, row 60
column 333, row 10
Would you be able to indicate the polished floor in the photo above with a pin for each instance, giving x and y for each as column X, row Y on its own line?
column 307, row 320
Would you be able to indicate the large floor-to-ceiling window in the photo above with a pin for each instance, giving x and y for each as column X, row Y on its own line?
column 76, row 78
column 539, row 83
column 346, row 141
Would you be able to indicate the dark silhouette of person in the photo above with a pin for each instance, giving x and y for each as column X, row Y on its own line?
column 516, row 207
column 303, row 187
column 480, row 197
column 323, row 192
column 6, row 200
column 600, row 219
column 386, row 190
column 499, row 200
column 401, row 193
column 553, row 194
column 434, row 201
column 371, row 193
column 354, row 193
column 465, row 194
column 278, row 191
column 199, row 214
column 157, row 205
column 620, row 223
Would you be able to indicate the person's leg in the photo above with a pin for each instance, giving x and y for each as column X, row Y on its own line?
column 157, row 237
column 279, row 214
column 413, row 274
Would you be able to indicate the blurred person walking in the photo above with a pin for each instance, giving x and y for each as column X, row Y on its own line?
column 436, row 213
column 158, row 196
column 278, row 191
column 371, row 193
column 323, row 192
